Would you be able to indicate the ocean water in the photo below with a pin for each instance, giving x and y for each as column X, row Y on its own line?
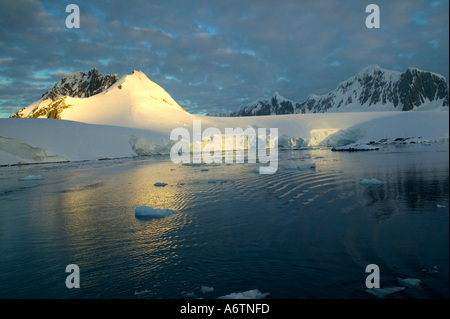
column 295, row 234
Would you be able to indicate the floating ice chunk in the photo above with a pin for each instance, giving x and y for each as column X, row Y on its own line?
column 440, row 206
column 31, row 178
column 371, row 181
column 150, row 212
column 431, row 271
column 355, row 147
column 250, row 294
column 301, row 167
column 383, row 292
column 409, row 282
column 140, row 293
column 191, row 295
column 159, row 184
column 206, row 289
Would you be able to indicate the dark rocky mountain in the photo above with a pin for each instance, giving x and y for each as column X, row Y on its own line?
column 372, row 89
column 81, row 84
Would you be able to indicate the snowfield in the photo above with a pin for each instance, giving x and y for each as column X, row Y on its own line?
column 48, row 140
column 135, row 116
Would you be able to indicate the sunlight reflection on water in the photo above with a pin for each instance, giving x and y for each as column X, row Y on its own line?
column 294, row 234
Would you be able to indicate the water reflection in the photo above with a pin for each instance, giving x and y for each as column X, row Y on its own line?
column 233, row 227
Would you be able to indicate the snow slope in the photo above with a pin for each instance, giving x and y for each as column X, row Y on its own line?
column 132, row 101
column 47, row 140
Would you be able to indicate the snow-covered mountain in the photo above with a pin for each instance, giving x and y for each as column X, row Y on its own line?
column 131, row 101
column 372, row 89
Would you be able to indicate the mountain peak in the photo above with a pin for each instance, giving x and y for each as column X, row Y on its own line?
column 277, row 96
column 371, row 89
column 371, row 68
column 80, row 84
column 90, row 97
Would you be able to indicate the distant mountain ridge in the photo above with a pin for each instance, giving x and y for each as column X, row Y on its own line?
column 372, row 89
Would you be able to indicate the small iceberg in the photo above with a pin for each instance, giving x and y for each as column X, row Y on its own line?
column 191, row 295
column 383, row 292
column 206, row 289
column 301, row 167
column 250, row 294
column 159, row 184
column 409, row 282
column 371, row 181
column 31, row 178
column 434, row 270
column 140, row 293
column 150, row 212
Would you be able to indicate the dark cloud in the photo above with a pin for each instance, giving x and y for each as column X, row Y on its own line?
column 214, row 56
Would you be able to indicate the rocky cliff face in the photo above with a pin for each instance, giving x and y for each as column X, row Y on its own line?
column 81, row 84
column 372, row 89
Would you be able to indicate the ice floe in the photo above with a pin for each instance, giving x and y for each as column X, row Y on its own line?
column 206, row 289
column 301, row 167
column 250, row 294
column 203, row 290
column 150, row 212
column 159, row 184
column 409, row 282
column 431, row 271
column 141, row 293
column 31, row 178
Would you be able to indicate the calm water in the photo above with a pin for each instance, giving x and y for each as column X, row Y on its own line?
column 293, row 234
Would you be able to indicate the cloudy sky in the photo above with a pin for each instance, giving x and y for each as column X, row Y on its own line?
column 216, row 55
